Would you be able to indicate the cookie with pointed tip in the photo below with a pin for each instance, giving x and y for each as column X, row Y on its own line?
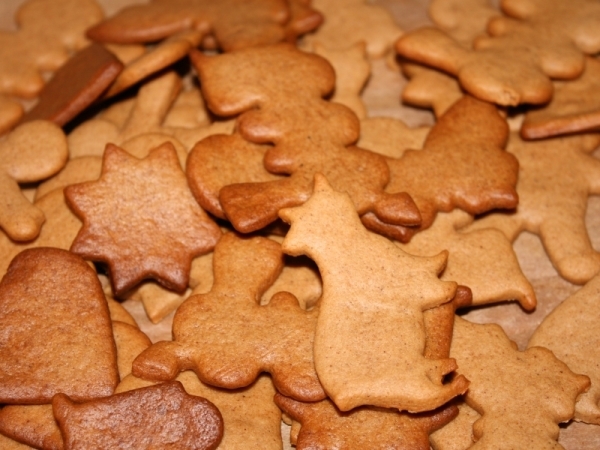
column 131, row 420
column 556, row 177
column 76, row 85
column 573, row 108
column 369, row 347
column 233, row 23
column 240, row 338
column 39, row 357
column 309, row 135
column 568, row 332
column 349, row 22
column 482, row 259
column 139, row 208
column 324, row 426
column 522, row 396
column 49, row 32
column 472, row 172
column 31, row 152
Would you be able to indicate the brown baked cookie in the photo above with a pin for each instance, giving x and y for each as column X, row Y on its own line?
column 522, row 396
column 30, row 153
column 233, row 23
column 39, row 355
column 574, row 107
column 482, row 259
column 250, row 417
column 49, row 31
column 471, row 172
column 570, row 333
column 369, row 348
column 155, row 215
column 556, row 176
column 76, row 85
column 161, row 416
column 310, row 135
column 240, row 338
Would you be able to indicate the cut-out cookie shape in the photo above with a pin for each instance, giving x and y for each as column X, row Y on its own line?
column 49, row 30
column 39, row 357
column 471, row 172
column 30, row 153
column 483, row 259
column 390, row 137
column 161, row 416
column 309, row 135
column 325, row 427
column 76, row 85
column 522, row 396
column 370, row 338
column 349, row 22
column 570, row 332
column 574, row 107
column 141, row 219
column 464, row 20
column 352, row 70
column 555, row 178
column 233, row 23
column 250, row 417
column 539, row 40
column 239, row 338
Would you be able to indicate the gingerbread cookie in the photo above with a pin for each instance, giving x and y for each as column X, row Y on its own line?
column 369, row 349
column 31, row 152
column 242, row 341
column 11, row 112
column 39, row 357
column 156, row 184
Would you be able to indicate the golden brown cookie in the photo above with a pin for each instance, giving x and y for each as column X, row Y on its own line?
column 30, row 153
column 471, row 172
column 131, row 419
column 369, row 348
column 39, row 356
column 239, row 338
column 139, row 193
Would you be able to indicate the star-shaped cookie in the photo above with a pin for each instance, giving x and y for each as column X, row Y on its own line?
column 141, row 219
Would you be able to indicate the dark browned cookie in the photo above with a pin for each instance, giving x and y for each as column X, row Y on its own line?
column 56, row 330
column 141, row 219
column 76, row 85
column 163, row 416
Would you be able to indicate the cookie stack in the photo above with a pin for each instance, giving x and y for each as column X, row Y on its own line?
column 220, row 170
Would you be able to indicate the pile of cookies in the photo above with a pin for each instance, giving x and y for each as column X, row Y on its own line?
column 301, row 264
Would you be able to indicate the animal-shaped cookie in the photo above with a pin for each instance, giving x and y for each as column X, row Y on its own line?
column 239, row 339
column 370, row 338
column 309, row 135
column 155, row 213
column 574, row 107
column 555, row 178
column 39, row 357
column 131, row 419
column 49, row 30
column 511, row 388
column 233, row 23
column 569, row 332
column 30, row 153
column 471, row 172
column 483, row 259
